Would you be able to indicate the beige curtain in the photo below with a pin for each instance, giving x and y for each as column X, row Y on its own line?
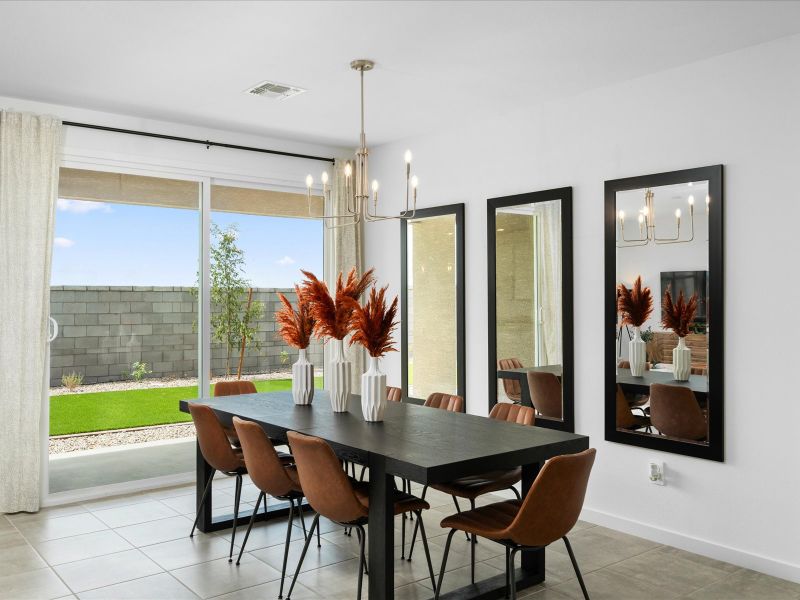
column 550, row 280
column 30, row 148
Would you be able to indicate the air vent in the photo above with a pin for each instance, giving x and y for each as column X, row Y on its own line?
column 276, row 91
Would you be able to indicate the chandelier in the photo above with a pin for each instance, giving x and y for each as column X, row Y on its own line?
column 647, row 224
column 356, row 179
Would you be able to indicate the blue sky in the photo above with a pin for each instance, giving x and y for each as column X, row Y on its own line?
column 121, row 244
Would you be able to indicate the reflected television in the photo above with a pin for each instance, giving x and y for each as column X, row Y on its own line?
column 689, row 282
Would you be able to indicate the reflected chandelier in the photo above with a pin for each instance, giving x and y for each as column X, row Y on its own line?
column 647, row 224
column 357, row 189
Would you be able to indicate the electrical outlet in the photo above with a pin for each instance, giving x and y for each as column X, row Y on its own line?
column 656, row 472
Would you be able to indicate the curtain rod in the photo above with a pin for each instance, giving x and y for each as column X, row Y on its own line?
column 205, row 143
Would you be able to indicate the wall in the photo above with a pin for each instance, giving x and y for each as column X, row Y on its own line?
column 744, row 510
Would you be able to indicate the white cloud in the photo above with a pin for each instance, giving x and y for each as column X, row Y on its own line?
column 81, row 206
column 62, row 242
column 286, row 260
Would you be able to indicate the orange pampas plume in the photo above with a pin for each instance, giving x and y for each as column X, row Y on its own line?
column 373, row 323
column 333, row 315
column 295, row 325
column 635, row 305
column 678, row 316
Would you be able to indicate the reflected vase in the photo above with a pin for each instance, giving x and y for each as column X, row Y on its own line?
column 637, row 353
column 341, row 370
column 373, row 391
column 682, row 360
column 302, row 380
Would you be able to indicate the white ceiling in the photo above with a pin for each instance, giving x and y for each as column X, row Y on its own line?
column 439, row 64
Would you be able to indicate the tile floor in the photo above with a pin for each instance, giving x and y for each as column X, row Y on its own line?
column 138, row 547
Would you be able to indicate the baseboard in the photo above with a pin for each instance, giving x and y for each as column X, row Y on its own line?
column 737, row 557
column 117, row 489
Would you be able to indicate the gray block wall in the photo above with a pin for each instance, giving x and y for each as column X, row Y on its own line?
column 103, row 330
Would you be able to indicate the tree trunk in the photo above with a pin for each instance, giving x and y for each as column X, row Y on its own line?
column 244, row 340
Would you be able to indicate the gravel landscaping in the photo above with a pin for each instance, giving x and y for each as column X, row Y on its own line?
column 91, row 441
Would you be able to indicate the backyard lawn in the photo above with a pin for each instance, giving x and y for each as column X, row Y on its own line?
column 101, row 411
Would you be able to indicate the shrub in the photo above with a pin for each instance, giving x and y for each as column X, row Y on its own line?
column 139, row 371
column 72, row 381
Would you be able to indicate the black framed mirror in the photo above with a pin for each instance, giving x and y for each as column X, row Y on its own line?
column 664, row 312
column 530, row 304
column 433, row 347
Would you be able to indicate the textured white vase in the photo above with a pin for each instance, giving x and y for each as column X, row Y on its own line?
column 341, row 370
column 637, row 353
column 681, row 360
column 302, row 380
column 373, row 391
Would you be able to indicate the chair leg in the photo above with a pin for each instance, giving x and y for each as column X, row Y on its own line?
column 472, row 542
column 303, row 555
column 363, row 470
column 416, row 527
column 250, row 526
column 403, row 537
column 508, row 553
column 458, row 509
column 438, row 589
column 425, row 547
column 575, row 566
column 203, row 501
column 286, row 545
column 361, row 558
column 511, row 572
column 235, row 512
column 516, row 492
column 302, row 518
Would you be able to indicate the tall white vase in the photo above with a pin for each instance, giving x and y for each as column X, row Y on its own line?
column 637, row 353
column 682, row 360
column 302, row 380
column 373, row 391
column 341, row 370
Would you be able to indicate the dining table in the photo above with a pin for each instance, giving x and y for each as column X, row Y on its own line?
column 422, row 444
column 641, row 384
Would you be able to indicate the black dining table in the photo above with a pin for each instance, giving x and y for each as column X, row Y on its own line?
column 697, row 383
column 414, row 442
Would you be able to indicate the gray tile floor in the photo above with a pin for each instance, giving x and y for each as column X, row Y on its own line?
column 138, row 547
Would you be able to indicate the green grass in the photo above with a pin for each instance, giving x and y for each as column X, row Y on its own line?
column 101, row 411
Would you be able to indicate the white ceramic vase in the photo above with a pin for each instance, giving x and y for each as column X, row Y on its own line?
column 302, row 380
column 341, row 370
column 373, row 391
column 637, row 353
column 681, row 360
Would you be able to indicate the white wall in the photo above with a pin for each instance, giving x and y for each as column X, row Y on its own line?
column 747, row 509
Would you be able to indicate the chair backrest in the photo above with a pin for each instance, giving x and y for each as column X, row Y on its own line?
column 625, row 418
column 263, row 465
column 394, row 394
column 513, row 413
column 214, row 444
column 234, row 388
column 626, row 364
column 511, row 386
column 324, row 483
column 546, row 394
column 445, row 402
column 674, row 411
column 554, row 501
column 699, row 370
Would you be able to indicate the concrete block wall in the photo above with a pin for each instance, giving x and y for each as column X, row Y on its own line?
column 103, row 330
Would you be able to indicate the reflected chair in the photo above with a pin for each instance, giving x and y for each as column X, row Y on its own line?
column 394, row 394
column 699, row 371
column 473, row 486
column 342, row 500
column 674, row 412
column 445, row 402
column 626, row 364
column 546, row 395
column 625, row 418
column 512, row 387
column 217, row 452
column 549, row 512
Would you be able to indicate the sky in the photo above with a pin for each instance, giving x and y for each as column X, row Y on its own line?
column 100, row 243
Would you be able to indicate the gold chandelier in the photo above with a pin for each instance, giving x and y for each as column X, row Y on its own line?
column 647, row 224
column 357, row 188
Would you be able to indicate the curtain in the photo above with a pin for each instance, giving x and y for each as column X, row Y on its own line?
column 345, row 250
column 550, row 281
column 29, row 160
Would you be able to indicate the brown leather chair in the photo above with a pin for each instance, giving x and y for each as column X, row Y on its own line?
column 512, row 387
column 625, row 418
column 234, row 388
column 335, row 496
column 549, row 512
column 445, row 402
column 546, row 395
column 626, row 364
column 394, row 394
column 217, row 452
column 674, row 411
column 486, row 483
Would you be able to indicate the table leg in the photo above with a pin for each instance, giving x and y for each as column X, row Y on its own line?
column 525, row 392
column 532, row 560
column 381, row 531
column 204, row 473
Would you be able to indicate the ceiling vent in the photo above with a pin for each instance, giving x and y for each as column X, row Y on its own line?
column 275, row 91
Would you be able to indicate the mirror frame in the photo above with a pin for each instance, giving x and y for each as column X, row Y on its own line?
column 714, row 450
column 461, row 354
column 563, row 194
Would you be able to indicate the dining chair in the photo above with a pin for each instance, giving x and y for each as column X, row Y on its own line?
column 445, row 402
column 674, row 412
column 342, row 500
column 233, row 388
column 512, row 387
column 470, row 488
column 548, row 512
column 220, row 455
column 272, row 477
column 546, row 396
column 626, row 364
column 394, row 394
column 625, row 417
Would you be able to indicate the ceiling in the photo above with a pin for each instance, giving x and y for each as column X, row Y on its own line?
column 440, row 64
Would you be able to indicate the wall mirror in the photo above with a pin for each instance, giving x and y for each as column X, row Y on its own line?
column 530, row 304
column 432, row 303
column 664, row 312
